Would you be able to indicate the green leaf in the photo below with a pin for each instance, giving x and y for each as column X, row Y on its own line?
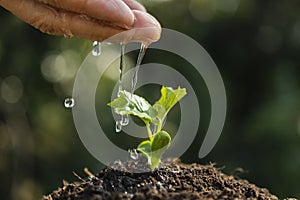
column 160, row 142
column 155, row 148
column 169, row 97
column 132, row 104
column 145, row 148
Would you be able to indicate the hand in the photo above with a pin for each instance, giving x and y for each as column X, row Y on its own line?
column 89, row 19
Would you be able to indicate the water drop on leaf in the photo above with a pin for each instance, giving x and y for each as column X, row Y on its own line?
column 124, row 120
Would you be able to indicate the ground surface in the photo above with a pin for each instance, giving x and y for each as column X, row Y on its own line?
column 176, row 181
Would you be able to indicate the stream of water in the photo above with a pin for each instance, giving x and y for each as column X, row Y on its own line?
column 125, row 118
column 137, row 67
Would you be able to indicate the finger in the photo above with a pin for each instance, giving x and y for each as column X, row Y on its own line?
column 147, row 27
column 115, row 11
column 134, row 5
column 146, row 30
column 60, row 22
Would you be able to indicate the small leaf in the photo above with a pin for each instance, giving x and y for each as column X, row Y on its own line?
column 132, row 104
column 160, row 142
column 145, row 148
column 169, row 97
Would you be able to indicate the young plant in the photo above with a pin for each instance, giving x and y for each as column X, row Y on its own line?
column 159, row 140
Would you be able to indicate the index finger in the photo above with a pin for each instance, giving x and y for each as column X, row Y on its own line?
column 114, row 11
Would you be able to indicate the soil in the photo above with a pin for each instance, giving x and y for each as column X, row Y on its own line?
column 175, row 181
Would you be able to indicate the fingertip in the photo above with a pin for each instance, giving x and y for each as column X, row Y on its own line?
column 148, row 28
column 134, row 5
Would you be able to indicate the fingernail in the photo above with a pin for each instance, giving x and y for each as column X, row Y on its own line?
column 115, row 11
column 143, row 20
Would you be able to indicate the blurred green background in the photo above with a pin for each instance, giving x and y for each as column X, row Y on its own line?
column 255, row 44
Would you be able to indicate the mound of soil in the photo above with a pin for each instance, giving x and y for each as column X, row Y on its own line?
column 175, row 181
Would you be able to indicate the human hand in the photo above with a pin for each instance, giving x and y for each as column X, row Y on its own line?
column 89, row 19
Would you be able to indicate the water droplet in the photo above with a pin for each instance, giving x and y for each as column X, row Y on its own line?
column 124, row 120
column 69, row 102
column 96, row 48
column 118, row 127
column 137, row 67
column 133, row 154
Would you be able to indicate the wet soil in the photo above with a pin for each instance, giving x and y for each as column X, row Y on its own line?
column 175, row 181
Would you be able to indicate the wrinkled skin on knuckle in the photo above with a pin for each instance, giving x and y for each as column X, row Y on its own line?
column 39, row 23
column 59, row 4
column 47, row 22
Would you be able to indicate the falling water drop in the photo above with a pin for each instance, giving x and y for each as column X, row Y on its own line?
column 96, row 48
column 138, row 64
column 124, row 120
column 69, row 103
column 118, row 127
column 133, row 154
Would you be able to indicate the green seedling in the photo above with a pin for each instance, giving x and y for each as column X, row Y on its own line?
column 159, row 140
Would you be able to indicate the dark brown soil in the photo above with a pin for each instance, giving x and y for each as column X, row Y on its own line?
column 176, row 181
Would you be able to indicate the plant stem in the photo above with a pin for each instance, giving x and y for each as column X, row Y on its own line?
column 159, row 126
column 149, row 131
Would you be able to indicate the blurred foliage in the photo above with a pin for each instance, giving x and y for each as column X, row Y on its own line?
column 254, row 43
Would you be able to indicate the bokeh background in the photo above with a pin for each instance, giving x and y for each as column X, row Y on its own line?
column 255, row 44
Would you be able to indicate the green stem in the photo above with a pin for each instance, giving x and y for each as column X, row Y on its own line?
column 149, row 131
column 159, row 126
